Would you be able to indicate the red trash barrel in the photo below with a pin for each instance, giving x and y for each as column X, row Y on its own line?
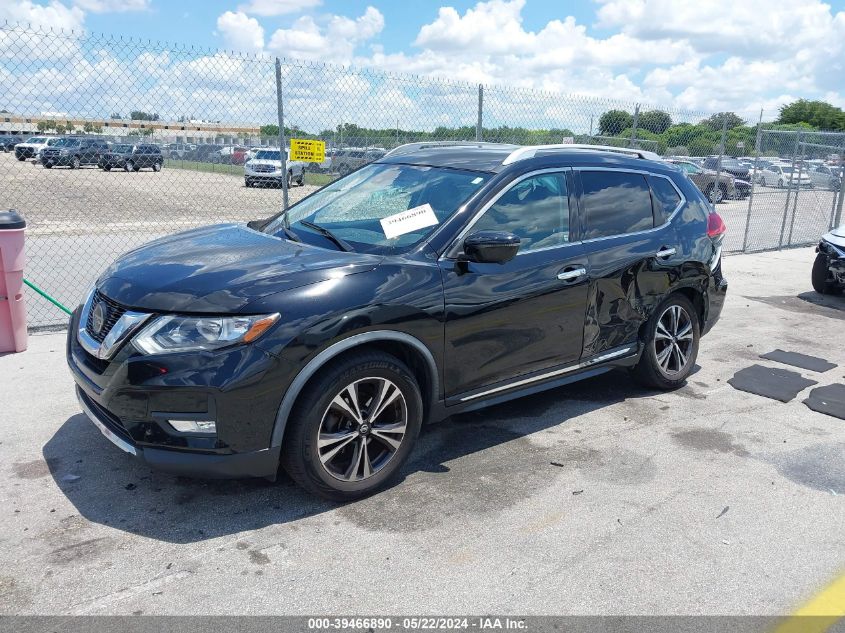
column 12, row 310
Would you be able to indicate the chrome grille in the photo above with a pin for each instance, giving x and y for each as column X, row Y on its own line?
column 264, row 169
column 113, row 311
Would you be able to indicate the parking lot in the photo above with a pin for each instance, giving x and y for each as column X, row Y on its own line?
column 599, row 497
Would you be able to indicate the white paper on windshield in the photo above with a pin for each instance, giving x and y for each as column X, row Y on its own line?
column 408, row 221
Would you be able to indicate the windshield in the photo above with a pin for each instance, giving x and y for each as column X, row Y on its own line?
column 353, row 208
column 730, row 162
column 268, row 154
column 121, row 148
column 66, row 142
column 36, row 139
column 787, row 169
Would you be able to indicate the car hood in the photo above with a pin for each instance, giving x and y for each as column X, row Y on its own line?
column 266, row 161
column 836, row 236
column 220, row 268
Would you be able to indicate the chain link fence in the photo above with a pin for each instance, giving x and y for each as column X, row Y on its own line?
column 208, row 112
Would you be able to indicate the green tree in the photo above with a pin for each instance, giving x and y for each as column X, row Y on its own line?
column 43, row 126
column 819, row 114
column 655, row 121
column 614, row 121
column 715, row 121
column 140, row 115
column 701, row 146
column 90, row 128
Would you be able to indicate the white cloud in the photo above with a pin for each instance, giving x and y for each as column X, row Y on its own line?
column 332, row 40
column 277, row 7
column 53, row 15
column 112, row 6
column 240, row 31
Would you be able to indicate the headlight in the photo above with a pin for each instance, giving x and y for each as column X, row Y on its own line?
column 184, row 334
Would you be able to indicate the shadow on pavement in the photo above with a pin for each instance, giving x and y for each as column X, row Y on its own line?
column 112, row 488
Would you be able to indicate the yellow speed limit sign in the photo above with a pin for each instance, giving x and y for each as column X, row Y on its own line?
column 307, row 150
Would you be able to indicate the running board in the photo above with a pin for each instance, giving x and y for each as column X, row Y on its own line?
column 619, row 353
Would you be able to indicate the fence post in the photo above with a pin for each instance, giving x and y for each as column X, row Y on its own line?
column 802, row 151
column 757, row 146
column 837, row 220
column 478, row 123
column 716, row 186
column 788, row 191
column 282, row 153
column 634, row 125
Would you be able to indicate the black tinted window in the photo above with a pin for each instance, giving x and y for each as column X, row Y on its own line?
column 666, row 199
column 615, row 203
column 535, row 209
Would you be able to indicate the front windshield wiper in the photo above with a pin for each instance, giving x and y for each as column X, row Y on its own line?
column 344, row 245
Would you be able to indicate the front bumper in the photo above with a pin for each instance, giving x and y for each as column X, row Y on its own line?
column 131, row 398
column 24, row 152
column 55, row 160
column 261, row 463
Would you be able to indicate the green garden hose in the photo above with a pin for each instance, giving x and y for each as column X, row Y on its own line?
column 46, row 296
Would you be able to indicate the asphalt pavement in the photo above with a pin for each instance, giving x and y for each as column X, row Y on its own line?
column 599, row 497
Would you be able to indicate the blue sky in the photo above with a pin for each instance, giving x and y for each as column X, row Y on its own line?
column 699, row 55
column 194, row 21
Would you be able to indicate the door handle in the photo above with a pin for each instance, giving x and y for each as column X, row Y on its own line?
column 571, row 274
column 665, row 253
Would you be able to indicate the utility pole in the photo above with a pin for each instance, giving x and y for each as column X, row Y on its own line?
column 282, row 153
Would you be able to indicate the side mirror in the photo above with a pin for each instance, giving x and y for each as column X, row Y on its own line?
column 491, row 247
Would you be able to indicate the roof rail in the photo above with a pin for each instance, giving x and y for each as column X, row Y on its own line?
column 408, row 148
column 529, row 151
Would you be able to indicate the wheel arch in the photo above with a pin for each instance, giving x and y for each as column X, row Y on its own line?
column 697, row 298
column 403, row 346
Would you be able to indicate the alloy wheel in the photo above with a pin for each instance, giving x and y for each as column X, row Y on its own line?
column 362, row 429
column 673, row 340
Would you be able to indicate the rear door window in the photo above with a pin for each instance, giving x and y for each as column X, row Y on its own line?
column 615, row 203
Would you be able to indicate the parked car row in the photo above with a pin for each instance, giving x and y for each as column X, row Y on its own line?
column 78, row 151
column 727, row 187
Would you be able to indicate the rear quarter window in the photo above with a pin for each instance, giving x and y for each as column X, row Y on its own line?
column 615, row 203
column 666, row 199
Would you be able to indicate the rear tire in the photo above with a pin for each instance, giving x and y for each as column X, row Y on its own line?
column 671, row 338
column 106, row 167
column 128, row 166
column 301, row 180
column 372, row 448
column 821, row 281
column 75, row 163
column 21, row 158
column 156, row 166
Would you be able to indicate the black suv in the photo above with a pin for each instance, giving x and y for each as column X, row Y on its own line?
column 436, row 280
column 132, row 157
column 73, row 152
column 8, row 142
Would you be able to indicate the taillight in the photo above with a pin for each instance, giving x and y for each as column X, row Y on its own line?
column 715, row 225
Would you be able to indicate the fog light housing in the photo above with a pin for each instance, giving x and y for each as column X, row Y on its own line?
column 206, row 427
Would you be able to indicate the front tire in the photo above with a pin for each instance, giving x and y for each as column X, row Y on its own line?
column 156, row 166
column 353, row 427
column 671, row 339
column 821, row 281
column 128, row 166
